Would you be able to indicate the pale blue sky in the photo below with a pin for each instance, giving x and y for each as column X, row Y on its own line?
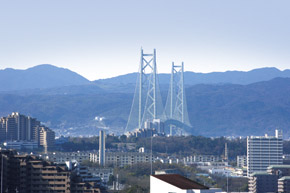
column 100, row 39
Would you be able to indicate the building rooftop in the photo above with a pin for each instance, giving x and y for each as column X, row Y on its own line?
column 263, row 137
column 180, row 181
column 259, row 173
column 285, row 178
column 278, row 166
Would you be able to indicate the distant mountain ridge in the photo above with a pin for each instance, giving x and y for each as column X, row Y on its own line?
column 47, row 76
column 41, row 76
column 193, row 78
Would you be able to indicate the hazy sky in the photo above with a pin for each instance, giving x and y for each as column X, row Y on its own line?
column 100, row 39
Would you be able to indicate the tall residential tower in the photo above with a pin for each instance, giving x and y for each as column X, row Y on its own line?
column 263, row 151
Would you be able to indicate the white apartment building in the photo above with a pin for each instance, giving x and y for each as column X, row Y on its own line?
column 263, row 151
column 122, row 158
column 201, row 158
column 103, row 173
column 220, row 171
column 62, row 157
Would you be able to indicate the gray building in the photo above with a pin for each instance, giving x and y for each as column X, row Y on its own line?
column 284, row 184
column 263, row 151
column 261, row 182
column 276, row 179
column 279, row 170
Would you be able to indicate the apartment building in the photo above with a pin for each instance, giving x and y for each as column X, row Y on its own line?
column 122, row 158
column 260, row 182
column 45, row 137
column 201, row 158
column 103, row 173
column 26, row 173
column 61, row 157
column 263, row 151
column 276, row 179
column 17, row 128
column 284, row 184
column 279, row 170
column 40, row 176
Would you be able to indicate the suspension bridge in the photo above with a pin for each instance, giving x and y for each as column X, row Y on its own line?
column 147, row 103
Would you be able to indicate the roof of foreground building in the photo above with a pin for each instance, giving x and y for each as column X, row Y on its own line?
column 180, row 181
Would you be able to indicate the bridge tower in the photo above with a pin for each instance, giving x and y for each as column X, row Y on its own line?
column 149, row 81
column 147, row 103
column 176, row 108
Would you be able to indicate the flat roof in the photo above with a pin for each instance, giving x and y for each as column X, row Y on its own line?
column 259, row 173
column 279, row 166
column 180, row 181
column 285, row 178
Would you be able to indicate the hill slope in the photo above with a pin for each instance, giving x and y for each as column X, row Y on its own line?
column 42, row 76
column 240, row 110
column 214, row 110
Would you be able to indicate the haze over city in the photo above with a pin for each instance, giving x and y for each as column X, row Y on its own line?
column 145, row 96
column 101, row 39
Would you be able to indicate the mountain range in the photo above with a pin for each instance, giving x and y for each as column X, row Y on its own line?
column 193, row 78
column 215, row 108
column 48, row 76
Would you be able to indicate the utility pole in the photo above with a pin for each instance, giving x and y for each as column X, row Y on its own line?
column 2, row 173
column 227, row 182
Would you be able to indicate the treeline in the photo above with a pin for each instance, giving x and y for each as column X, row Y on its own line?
column 189, row 145
column 86, row 143
column 179, row 145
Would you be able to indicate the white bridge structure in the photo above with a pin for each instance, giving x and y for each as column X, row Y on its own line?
column 147, row 102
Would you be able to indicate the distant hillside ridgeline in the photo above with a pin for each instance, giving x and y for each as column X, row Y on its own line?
column 214, row 110
column 42, row 77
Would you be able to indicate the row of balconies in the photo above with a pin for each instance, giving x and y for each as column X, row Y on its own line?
column 264, row 162
column 253, row 151
column 265, row 158
column 277, row 147
column 264, row 149
column 276, row 156
column 265, row 145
